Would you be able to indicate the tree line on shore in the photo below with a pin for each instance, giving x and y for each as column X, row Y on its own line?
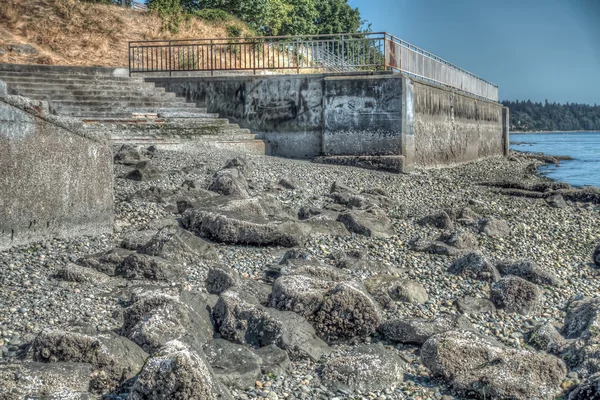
column 529, row 116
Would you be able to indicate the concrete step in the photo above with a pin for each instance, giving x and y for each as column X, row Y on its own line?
column 176, row 102
column 92, row 91
column 156, row 122
column 72, row 79
column 110, row 113
column 104, row 96
column 255, row 146
column 49, row 85
column 166, row 131
column 54, row 75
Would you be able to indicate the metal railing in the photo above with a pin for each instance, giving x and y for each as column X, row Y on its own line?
column 325, row 53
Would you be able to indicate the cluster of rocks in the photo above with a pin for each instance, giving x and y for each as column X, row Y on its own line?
column 319, row 322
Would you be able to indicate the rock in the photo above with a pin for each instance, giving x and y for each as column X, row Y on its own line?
column 545, row 337
column 229, row 182
column 106, row 262
column 240, row 319
column 239, row 163
column 234, row 365
column 581, row 327
column 460, row 239
column 220, row 279
column 371, row 223
column 34, row 380
column 338, row 311
column 471, row 365
column 556, row 201
column 129, row 155
column 515, row 295
column 496, row 228
column 138, row 266
column 376, row 191
column 22, row 49
column 359, row 261
column 365, row 368
column 528, row 270
column 274, row 360
column 589, row 389
column 235, row 228
column 298, row 337
column 176, row 244
column 387, row 290
column 288, row 183
column 113, row 358
column 338, row 187
column 475, row 266
column 439, row 220
column 418, row 330
column 75, row 273
column 176, row 372
column 347, row 312
column 144, row 171
column 155, row 318
column 596, row 256
column 295, row 254
column 314, row 269
column 322, row 225
column 473, row 305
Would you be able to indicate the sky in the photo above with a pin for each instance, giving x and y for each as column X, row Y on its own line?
column 531, row 49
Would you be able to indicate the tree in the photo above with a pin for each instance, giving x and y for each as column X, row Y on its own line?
column 336, row 16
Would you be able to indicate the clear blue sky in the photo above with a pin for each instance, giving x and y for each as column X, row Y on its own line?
column 532, row 49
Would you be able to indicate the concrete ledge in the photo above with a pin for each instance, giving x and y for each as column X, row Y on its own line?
column 382, row 163
column 66, row 70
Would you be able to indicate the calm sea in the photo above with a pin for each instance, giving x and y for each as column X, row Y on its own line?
column 583, row 147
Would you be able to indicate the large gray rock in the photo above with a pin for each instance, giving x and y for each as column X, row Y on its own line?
column 365, row 368
column 113, row 358
column 143, row 172
column 298, row 337
column 373, row 222
column 234, row 365
column 139, row 266
column 177, row 372
column 274, row 360
column 475, row 266
column 237, row 228
column 515, row 295
column 56, row 381
column 493, row 227
column 473, row 366
column 129, row 155
column 229, row 182
column 241, row 319
column 313, row 269
column 581, row 326
column 388, row 290
column 440, row 220
column 338, row 311
column 106, row 262
column 418, row 330
column 221, row 278
column 546, row 337
column 474, row 305
column 178, row 245
column 155, row 318
column 528, row 270
column 241, row 164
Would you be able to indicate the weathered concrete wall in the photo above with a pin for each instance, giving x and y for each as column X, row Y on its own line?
column 53, row 181
column 362, row 115
column 286, row 110
column 452, row 128
column 304, row 116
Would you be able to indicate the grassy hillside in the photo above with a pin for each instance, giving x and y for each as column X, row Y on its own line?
column 70, row 32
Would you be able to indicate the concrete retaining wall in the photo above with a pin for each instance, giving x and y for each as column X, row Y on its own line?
column 304, row 116
column 53, row 181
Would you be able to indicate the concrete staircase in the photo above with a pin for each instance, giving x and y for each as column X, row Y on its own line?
column 129, row 109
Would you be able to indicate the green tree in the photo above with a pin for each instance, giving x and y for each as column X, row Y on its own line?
column 336, row 16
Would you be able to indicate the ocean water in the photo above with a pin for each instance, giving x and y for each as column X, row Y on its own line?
column 583, row 147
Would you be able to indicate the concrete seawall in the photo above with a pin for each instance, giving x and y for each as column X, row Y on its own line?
column 54, row 182
column 353, row 115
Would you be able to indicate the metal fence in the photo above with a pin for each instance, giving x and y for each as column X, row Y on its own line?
column 324, row 53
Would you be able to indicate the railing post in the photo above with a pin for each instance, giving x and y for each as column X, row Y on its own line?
column 342, row 58
column 211, row 58
column 297, row 56
column 129, row 57
column 170, row 65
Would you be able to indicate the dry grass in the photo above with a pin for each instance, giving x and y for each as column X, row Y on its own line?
column 69, row 32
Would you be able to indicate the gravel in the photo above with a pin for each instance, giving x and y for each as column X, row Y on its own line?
column 560, row 240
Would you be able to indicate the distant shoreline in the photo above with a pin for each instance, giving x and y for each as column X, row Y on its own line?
column 537, row 132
